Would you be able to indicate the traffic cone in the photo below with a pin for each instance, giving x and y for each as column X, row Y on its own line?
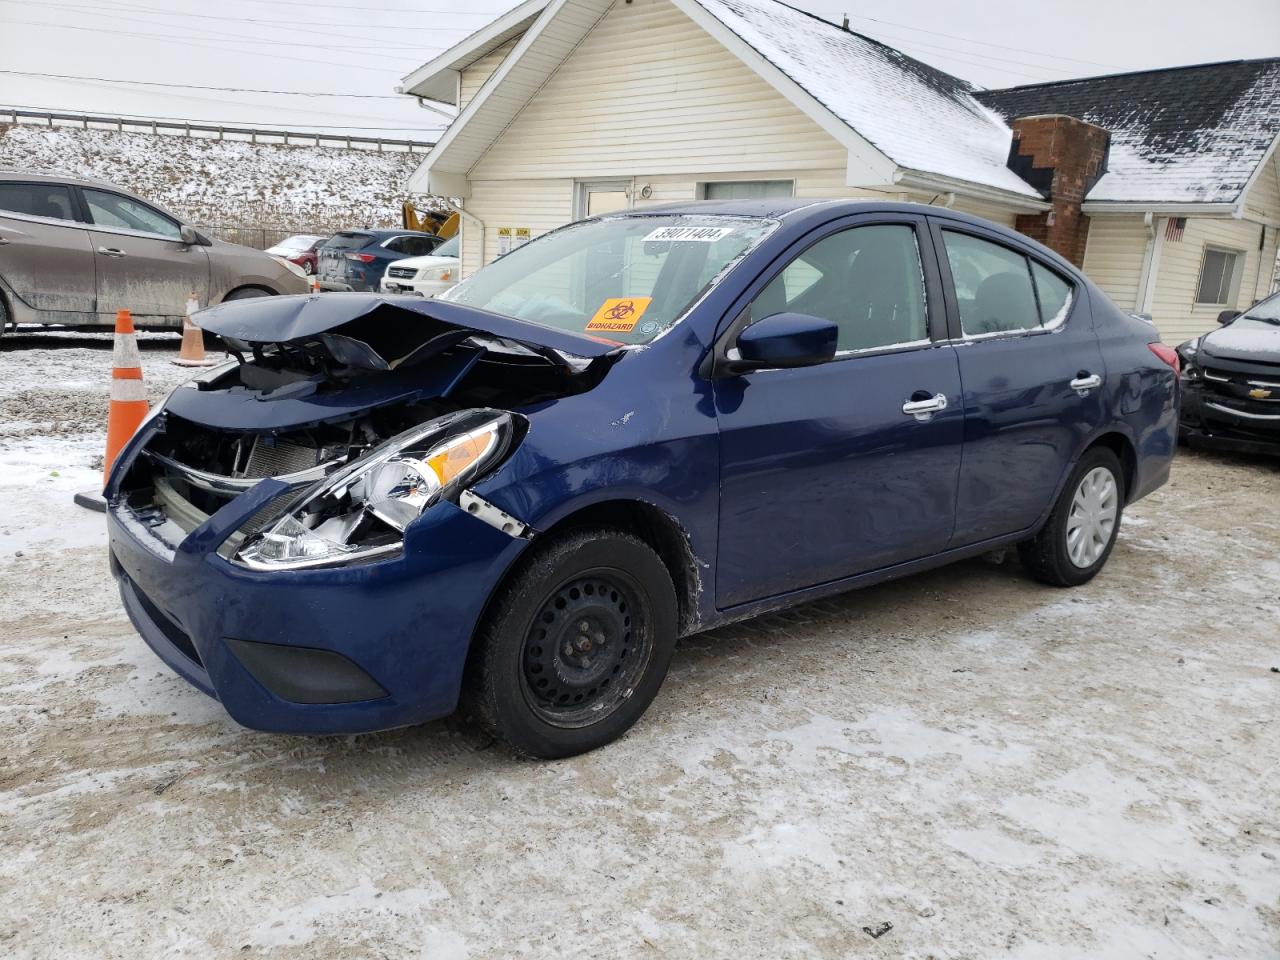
column 191, row 353
column 128, row 406
column 315, row 284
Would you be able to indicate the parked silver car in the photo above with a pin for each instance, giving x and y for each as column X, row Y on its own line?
column 75, row 251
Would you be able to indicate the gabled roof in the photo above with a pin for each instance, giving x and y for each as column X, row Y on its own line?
column 1181, row 135
column 919, row 117
column 897, row 116
column 437, row 79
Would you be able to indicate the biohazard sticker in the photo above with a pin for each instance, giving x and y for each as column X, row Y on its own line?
column 688, row 234
column 619, row 314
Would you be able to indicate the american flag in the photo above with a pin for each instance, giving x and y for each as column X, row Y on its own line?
column 1173, row 232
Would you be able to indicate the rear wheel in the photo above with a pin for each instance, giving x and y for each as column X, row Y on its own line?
column 575, row 648
column 1081, row 532
column 307, row 268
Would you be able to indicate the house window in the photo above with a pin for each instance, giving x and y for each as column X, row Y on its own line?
column 1219, row 277
column 747, row 189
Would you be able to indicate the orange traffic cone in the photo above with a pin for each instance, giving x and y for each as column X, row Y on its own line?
column 191, row 353
column 315, row 285
column 128, row 406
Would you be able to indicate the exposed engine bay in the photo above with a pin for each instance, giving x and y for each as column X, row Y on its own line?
column 367, row 426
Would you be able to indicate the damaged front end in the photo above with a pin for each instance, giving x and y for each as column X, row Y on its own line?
column 365, row 411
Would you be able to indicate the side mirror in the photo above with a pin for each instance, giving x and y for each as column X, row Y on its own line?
column 191, row 237
column 784, row 340
column 1226, row 316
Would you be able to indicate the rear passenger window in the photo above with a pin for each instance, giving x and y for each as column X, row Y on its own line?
column 1054, row 294
column 37, row 200
column 993, row 286
column 999, row 290
column 866, row 280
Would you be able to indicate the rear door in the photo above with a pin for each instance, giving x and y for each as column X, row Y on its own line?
column 829, row 471
column 143, row 264
column 46, row 254
column 1032, row 372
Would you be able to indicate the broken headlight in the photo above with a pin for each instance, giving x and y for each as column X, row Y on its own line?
column 360, row 512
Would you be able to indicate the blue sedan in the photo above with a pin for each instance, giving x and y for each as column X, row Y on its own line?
column 517, row 497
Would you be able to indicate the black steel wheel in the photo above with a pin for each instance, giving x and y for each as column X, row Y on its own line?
column 586, row 649
column 575, row 646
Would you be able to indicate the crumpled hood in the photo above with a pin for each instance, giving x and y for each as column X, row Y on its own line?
column 381, row 331
column 1243, row 342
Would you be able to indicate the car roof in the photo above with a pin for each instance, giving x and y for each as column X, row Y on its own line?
column 382, row 233
column 784, row 207
column 28, row 176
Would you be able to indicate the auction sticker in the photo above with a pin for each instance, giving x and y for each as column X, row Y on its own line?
column 689, row 234
column 619, row 314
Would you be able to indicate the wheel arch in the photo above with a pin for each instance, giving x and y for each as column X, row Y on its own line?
column 249, row 286
column 1122, row 446
column 653, row 525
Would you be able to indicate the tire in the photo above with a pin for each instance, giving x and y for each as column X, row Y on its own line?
column 245, row 293
column 307, row 268
column 1076, row 541
column 5, row 319
column 574, row 648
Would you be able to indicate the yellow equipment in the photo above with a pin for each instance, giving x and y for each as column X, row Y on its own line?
column 428, row 221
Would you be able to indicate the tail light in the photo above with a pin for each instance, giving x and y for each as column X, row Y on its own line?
column 361, row 257
column 1168, row 355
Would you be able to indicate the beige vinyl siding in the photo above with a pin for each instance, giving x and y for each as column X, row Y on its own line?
column 977, row 208
column 1114, row 255
column 540, row 205
column 474, row 76
column 649, row 90
column 1174, row 310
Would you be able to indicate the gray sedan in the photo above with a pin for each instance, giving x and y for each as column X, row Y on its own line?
column 74, row 251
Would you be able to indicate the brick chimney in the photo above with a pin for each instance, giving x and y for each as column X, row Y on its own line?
column 1063, row 158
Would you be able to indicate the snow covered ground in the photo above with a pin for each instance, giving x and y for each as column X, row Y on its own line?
column 965, row 763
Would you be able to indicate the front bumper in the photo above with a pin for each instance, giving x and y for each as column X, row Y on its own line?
column 394, row 633
column 423, row 288
column 1211, row 420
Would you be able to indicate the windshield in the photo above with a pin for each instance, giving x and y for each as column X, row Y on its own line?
column 1267, row 312
column 623, row 280
column 449, row 248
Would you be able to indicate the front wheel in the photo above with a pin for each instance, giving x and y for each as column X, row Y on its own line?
column 575, row 647
column 1080, row 533
column 307, row 268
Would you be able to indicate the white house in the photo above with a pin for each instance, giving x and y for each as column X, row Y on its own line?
column 568, row 108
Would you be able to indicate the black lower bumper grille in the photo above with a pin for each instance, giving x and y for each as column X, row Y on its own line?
column 172, row 632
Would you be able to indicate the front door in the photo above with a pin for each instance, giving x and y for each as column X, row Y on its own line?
column 143, row 265
column 826, row 472
column 46, row 255
column 1032, row 371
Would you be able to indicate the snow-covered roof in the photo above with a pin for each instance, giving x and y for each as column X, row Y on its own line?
column 921, row 118
column 1182, row 135
column 437, row 78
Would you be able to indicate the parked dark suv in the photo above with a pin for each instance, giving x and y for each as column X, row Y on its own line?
column 355, row 260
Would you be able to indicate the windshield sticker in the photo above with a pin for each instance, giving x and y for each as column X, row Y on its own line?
column 619, row 314
column 689, row 234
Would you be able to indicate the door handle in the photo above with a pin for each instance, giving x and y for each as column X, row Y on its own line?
column 1085, row 381
column 924, row 409
column 113, row 252
column 4, row 240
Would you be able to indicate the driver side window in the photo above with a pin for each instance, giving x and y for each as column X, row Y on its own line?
column 866, row 280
